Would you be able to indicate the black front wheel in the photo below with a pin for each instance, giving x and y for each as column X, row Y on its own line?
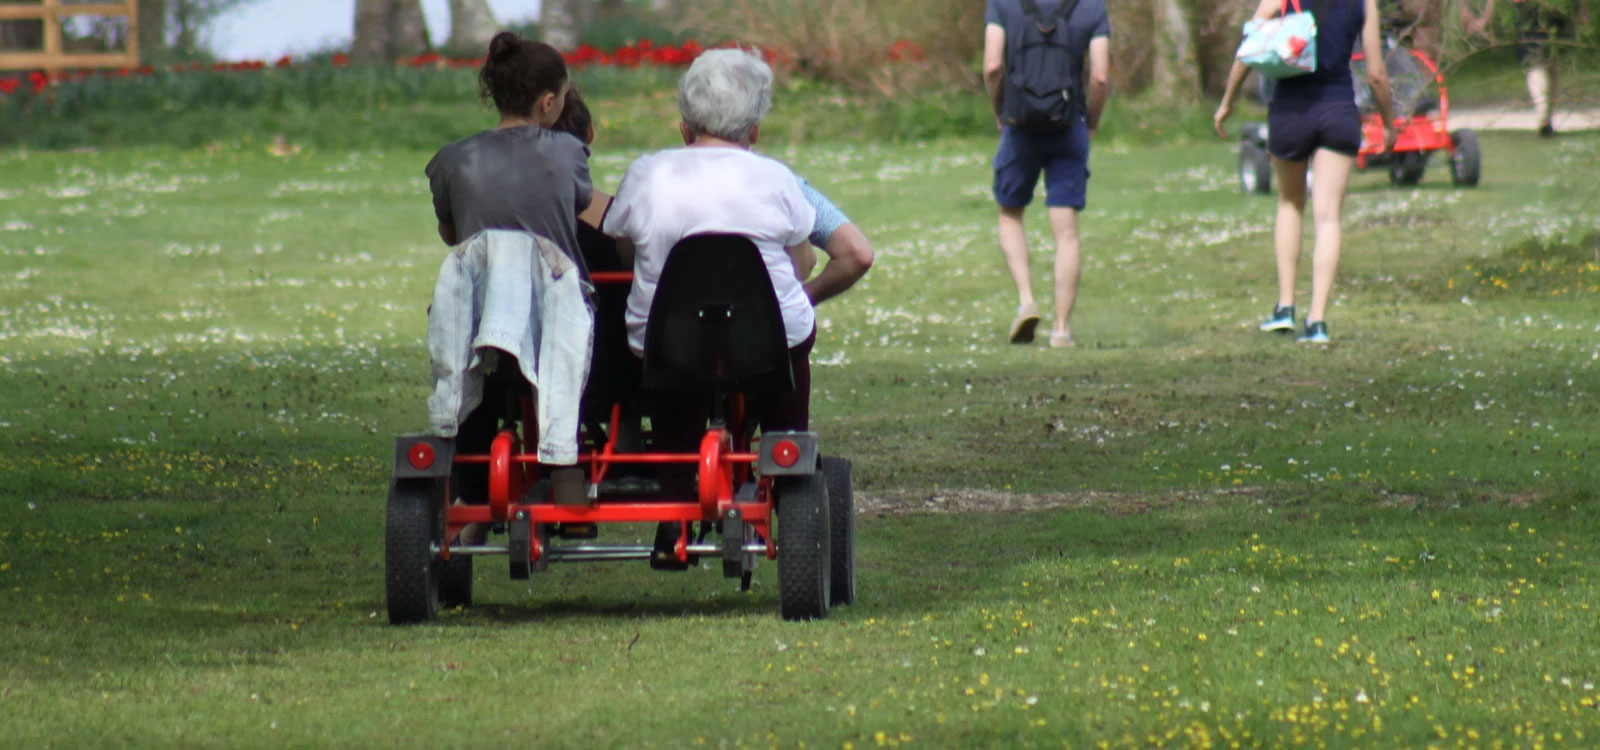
column 413, row 528
column 1406, row 169
column 1255, row 169
column 805, row 548
column 1464, row 163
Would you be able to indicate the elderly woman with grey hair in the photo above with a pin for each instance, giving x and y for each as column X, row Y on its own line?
column 716, row 184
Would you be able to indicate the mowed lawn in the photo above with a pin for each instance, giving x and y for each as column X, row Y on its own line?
column 1182, row 532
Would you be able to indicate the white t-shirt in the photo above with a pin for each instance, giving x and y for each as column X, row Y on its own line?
column 667, row 196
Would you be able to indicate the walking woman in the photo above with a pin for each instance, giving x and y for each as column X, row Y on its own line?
column 1313, row 120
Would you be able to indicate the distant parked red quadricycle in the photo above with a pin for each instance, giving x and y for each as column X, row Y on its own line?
column 1422, row 111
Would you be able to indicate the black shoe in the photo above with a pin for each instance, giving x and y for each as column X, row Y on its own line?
column 1315, row 333
column 665, row 555
column 1282, row 319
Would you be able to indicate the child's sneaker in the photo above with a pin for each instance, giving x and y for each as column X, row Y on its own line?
column 1315, row 333
column 1282, row 319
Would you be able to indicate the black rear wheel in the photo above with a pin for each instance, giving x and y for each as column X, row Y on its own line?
column 842, row 519
column 1406, row 169
column 1255, row 169
column 1464, row 163
column 414, row 525
column 804, row 547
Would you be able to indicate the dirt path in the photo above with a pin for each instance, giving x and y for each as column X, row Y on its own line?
column 1521, row 119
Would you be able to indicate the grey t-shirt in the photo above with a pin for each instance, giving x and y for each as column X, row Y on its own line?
column 527, row 178
column 1088, row 21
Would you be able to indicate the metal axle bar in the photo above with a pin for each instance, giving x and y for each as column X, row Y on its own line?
column 595, row 552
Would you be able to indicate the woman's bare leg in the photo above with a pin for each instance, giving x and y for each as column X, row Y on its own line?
column 1286, row 230
column 1331, row 175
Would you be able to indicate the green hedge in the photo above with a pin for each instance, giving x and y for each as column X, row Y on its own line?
column 322, row 106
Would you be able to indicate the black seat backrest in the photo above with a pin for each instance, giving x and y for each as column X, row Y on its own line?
column 715, row 324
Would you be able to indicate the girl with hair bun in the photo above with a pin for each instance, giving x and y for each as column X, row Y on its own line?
column 521, row 175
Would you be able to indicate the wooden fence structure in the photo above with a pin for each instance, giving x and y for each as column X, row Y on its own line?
column 52, row 58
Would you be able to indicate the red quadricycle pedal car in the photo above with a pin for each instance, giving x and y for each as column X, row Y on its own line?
column 715, row 333
column 1422, row 112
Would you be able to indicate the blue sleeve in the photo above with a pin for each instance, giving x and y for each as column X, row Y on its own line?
column 991, row 14
column 1102, row 25
column 829, row 217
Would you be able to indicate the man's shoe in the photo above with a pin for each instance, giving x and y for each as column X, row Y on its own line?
column 1027, row 320
column 1315, row 333
column 1282, row 319
column 664, row 556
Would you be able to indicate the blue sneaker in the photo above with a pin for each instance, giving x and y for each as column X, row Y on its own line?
column 1282, row 319
column 1315, row 333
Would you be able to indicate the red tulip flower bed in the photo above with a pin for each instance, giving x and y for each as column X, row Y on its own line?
column 643, row 53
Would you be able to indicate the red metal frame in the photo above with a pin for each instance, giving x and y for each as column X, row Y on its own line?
column 1420, row 134
column 724, row 463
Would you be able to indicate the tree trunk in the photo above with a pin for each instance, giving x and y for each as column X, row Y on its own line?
column 1176, row 74
column 411, row 29
column 184, row 18
column 373, row 35
column 387, row 30
column 472, row 25
column 558, row 23
column 610, row 8
column 152, row 30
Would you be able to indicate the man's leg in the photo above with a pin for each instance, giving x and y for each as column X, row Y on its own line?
column 1064, row 223
column 1332, row 176
column 1014, row 245
column 1016, row 173
column 1286, row 230
column 1540, row 83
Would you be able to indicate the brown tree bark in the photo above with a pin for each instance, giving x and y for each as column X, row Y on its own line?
column 559, row 21
column 152, row 30
column 1176, row 73
column 387, row 30
column 472, row 25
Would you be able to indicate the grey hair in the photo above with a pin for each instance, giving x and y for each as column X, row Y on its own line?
column 725, row 94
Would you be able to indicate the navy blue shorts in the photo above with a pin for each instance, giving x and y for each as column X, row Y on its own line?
column 1062, row 156
column 1296, row 129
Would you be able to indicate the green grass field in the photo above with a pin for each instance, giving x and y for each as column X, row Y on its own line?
column 1181, row 533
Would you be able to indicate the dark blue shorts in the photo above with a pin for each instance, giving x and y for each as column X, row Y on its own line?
column 1296, row 129
column 1062, row 156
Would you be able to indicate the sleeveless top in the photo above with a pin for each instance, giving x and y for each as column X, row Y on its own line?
column 1339, row 25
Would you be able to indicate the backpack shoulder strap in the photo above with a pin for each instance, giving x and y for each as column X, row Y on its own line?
column 1046, row 25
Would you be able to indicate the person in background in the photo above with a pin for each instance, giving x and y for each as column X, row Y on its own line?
column 1029, row 48
column 1537, row 24
column 1313, row 120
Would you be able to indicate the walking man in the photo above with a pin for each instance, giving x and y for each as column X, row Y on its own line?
column 1035, row 56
